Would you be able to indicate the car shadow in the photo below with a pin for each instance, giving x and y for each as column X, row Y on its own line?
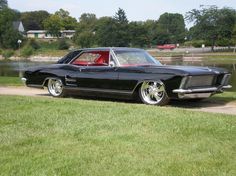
column 190, row 104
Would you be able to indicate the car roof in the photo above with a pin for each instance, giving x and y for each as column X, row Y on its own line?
column 108, row 48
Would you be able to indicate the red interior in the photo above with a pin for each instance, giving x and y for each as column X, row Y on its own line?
column 102, row 60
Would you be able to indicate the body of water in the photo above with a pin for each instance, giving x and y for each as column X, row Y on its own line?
column 16, row 68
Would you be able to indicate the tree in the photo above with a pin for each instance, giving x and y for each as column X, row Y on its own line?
column 138, row 34
column 151, row 27
column 234, row 37
column 8, row 35
column 34, row 20
column 105, row 32
column 121, row 34
column 53, row 25
column 68, row 22
column 3, row 4
column 85, row 31
column 85, row 39
column 120, row 17
column 212, row 24
column 170, row 28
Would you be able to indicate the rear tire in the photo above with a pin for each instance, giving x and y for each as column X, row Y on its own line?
column 153, row 93
column 56, row 87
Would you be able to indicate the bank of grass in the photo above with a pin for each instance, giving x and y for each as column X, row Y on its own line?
column 46, row 136
column 10, row 81
column 226, row 97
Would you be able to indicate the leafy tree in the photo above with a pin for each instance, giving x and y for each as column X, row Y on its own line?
column 151, row 27
column 3, row 4
column 85, row 31
column 85, row 39
column 234, row 37
column 139, row 34
column 105, row 32
column 53, row 25
column 170, row 28
column 120, row 17
column 68, row 22
column 34, row 20
column 8, row 35
column 59, row 21
column 87, row 21
column 121, row 34
column 212, row 23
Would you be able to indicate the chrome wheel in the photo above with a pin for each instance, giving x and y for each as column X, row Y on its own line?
column 153, row 92
column 55, row 87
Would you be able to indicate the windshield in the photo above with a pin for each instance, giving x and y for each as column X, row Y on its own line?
column 134, row 58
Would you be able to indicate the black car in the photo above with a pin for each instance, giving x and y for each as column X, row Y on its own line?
column 126, row 73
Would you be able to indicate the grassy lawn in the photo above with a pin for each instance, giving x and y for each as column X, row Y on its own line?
column 46, row 136
column 10, row 81
column 226, row 96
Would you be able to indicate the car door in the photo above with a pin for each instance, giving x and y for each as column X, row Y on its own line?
column 93, row 71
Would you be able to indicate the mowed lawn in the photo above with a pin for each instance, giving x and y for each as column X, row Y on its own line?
column 47, row 136
column 10, row 81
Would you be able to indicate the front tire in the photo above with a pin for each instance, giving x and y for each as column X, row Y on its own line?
column 153, row 93
column 56, row 87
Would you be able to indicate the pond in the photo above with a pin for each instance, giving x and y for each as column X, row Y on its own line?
column 13, row 68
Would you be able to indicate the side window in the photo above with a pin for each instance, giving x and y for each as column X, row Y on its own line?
column 94, row 58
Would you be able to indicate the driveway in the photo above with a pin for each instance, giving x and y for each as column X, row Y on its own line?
column 208, row 105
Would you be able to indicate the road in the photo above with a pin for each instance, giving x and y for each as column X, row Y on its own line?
column 207, row 105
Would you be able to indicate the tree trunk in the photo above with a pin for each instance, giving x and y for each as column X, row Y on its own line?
column 212, row 45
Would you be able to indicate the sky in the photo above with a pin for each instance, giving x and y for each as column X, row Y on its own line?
column 135, row 10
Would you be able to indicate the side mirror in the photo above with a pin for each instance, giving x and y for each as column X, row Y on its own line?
column 112, row 64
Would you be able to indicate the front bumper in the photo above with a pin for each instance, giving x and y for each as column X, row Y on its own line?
column 189, row 86
column 24, row 80
column 199, row 90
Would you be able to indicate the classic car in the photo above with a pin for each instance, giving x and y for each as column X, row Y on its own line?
column 166, row 47
column 126, row 73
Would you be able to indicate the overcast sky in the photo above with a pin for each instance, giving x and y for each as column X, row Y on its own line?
column 135, row 10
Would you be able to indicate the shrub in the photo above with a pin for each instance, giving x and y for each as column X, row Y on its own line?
column 27, row 51
column 63, row 45
column 195, row 43
column 7, row 54
column 34, row 44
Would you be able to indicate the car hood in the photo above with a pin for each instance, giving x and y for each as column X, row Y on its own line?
column 186, row 70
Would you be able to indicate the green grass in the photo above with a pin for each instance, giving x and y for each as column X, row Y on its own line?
column 226, row 97
column 46, row 136
column 10, row 81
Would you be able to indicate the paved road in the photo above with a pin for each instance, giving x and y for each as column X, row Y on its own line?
column 206, row 105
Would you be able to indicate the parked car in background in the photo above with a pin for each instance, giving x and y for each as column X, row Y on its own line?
column 126, row 73
column 166, row 47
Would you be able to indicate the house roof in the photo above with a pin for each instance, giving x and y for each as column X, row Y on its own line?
column 36, row 31
column 17, row 25
column 44, row 31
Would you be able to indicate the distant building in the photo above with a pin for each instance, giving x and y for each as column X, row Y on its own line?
column 18, row 25
column 43, row 34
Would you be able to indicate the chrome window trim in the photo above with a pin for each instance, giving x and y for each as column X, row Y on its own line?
column 72, row 60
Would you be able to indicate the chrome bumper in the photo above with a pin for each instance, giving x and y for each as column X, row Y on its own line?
column 209, row 89
column 24, row 80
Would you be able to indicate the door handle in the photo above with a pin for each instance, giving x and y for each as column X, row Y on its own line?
column 81, row 69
